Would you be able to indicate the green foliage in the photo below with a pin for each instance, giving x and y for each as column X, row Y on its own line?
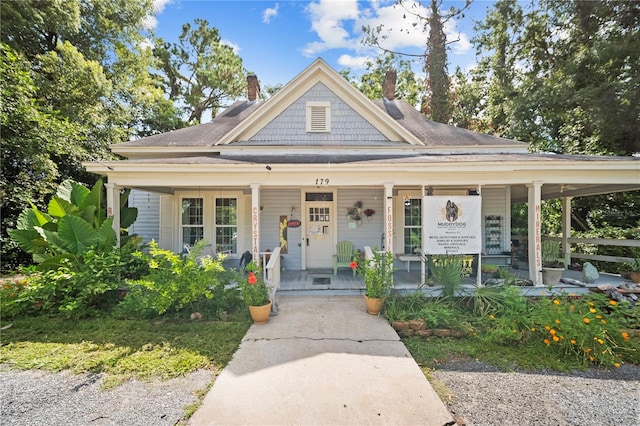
column 253, row 289
column 408, row 87
column 176, row 283
column 435, row 312
column 89, row 286
column 447, row 271
column 378, row 274
column 75, row 222
column 200, row 71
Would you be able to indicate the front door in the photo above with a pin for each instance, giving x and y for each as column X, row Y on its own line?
column 320, row 244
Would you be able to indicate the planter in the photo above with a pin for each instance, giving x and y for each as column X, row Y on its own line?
column 551, row 276
column 260, row 314
column 374, row 306
column 634, row 276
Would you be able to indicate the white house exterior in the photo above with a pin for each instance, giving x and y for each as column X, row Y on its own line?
column 319, row 148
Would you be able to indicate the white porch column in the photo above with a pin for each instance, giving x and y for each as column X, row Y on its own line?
column 255, row 222
column 113, row 207
column 534, row 230
column 566, row 228
column 388, row 217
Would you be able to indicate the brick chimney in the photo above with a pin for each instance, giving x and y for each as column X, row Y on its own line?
column 253, row 87
column 389, row 85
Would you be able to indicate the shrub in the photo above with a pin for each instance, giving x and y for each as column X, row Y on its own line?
column 175, row 283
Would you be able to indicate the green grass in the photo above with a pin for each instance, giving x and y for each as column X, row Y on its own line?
column 122, row 349
column 433, row 352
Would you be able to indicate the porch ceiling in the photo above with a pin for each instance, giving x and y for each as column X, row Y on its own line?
column 519, row 193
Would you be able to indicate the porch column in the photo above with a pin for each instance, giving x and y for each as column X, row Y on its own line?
column 566, row 228
column 388, row 217
column 255, row 222
column 534, row 232
column 113, row 208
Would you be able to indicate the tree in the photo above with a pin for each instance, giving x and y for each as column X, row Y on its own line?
column 408, row 87
column 200, row 72
column 436, row 104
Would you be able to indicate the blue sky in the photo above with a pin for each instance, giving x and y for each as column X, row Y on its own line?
column 278, row 39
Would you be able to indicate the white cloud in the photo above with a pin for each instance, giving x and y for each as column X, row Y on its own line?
column 328, row 21
column 460, row 47
column 150, row 21
column 269, row 13
column 354, row 62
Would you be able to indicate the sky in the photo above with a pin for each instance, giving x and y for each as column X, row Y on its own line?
column 278, row 39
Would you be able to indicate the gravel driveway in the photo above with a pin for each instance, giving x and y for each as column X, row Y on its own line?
column 482, row 395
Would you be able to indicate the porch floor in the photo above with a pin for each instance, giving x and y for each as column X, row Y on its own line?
column 298, row 283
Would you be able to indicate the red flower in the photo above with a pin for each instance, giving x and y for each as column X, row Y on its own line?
column 353, row 265
column 252, row 278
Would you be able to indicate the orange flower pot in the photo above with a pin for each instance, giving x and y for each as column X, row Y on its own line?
column 260, row 314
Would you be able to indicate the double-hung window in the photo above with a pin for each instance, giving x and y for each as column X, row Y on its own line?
column 226, row 225
column 192, row 220
column 412, row 225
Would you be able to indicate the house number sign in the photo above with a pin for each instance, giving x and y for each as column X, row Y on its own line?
column 322, row 181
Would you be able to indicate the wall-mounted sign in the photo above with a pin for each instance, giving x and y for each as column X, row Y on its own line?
column 452, row 224
column 294, row 223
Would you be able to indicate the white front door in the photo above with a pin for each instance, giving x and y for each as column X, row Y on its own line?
column 320, row 244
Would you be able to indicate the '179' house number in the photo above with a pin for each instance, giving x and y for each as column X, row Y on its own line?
column 322, row 181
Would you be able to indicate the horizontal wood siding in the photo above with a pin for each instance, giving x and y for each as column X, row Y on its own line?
column 276, row 203
column 369, row 232
column 147, row 225
column 495, row 203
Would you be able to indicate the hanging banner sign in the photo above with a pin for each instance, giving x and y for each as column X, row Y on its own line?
column 294, row 223
column 452, row 224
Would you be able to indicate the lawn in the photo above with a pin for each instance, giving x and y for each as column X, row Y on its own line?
column 123, row 349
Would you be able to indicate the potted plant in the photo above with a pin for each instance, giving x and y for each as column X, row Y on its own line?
column 378, row 280
column 632, row 269
column 255, row 294
column 552, row 270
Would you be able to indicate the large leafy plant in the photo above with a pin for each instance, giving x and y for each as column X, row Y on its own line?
column 74, row 223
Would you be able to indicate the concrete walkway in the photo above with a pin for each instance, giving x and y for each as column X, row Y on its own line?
column 322, row 361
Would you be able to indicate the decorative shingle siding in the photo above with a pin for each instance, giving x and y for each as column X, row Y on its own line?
column 347, row 126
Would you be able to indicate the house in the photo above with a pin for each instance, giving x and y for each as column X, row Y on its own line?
column 319, row 163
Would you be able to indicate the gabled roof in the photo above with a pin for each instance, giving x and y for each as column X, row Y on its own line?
column 403, row 125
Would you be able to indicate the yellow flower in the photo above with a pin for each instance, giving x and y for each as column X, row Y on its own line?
column 586, row 320
column 556, row 302
column 491, row 317
column 598, row 316
column 593, row 310
column 616, row 364
column 590, row 303
column 546, row 341
column 533, row 329
column 625, row 335
column 603, row 321
column 557, row 321
column 556, row 338
column 573, row 342
column 613, row 303
column 546, row 327
column 601, row 341
column 552, row 331
column 591, row 358
column 571, row 294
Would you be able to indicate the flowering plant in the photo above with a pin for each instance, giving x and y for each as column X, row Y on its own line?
column 369, row 212
column 253, row 289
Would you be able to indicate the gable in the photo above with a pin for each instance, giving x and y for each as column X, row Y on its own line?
column 347, row 127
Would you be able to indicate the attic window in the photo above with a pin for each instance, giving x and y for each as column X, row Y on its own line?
column 318, row 117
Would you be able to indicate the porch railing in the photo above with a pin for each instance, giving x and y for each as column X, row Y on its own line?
column 272, row 277
column 591, row 241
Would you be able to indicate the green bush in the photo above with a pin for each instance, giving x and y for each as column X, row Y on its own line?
column 176, row 283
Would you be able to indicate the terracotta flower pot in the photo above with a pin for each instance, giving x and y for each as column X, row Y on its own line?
column 374, row 306
column 634, row 277
column 260, row 314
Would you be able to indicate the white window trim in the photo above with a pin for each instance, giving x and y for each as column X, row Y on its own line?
column 318, row 117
